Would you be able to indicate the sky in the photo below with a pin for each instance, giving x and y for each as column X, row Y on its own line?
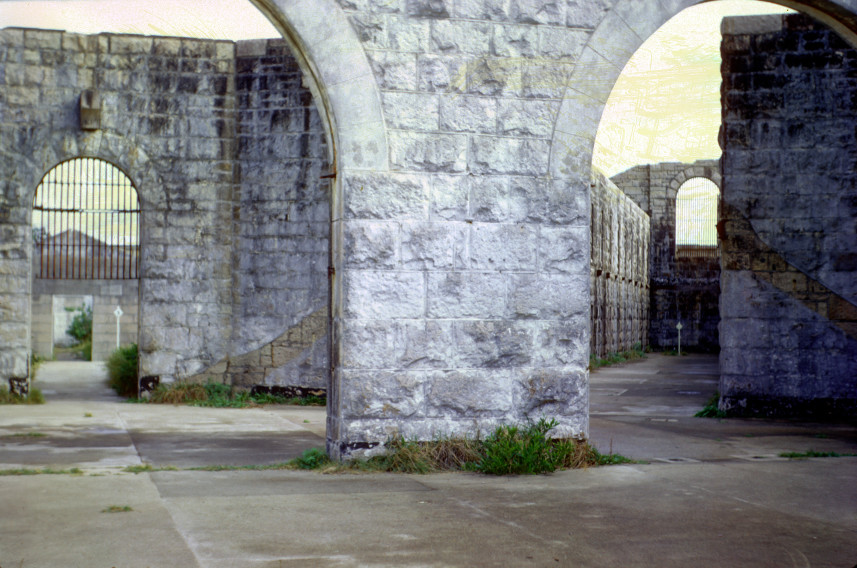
column 184, row 18
column 665, row 106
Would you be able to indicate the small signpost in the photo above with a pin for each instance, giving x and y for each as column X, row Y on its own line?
column 118, row 313
column 678, row 326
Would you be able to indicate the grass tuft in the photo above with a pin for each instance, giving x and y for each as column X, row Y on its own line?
column 218, row 395
column 42, row 471
column 815, row 454
column 712, row 408
column 636, row 352
column 34, row 397
column 122, row 370
column 117, row 509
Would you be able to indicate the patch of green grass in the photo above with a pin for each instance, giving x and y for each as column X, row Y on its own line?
column 611, row 458
column 35, row 396
column 29, row 435
column 117, row 509
column 815, row 454
column 712, row 408
column 122, row 370
column 636, row 352
column 217, row 395
column 42, row 471
column 253, row 467
column 312, row 458
column 147, row 468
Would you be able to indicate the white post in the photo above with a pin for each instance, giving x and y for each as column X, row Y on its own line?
column 678, row 326
column 118, row 313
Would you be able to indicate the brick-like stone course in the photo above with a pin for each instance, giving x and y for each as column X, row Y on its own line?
column 619, row 271
column 789, row 301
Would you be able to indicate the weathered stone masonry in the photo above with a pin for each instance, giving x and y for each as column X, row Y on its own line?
column 789, row 284
column 460, row 134
column 228, row 167
column 683, row 289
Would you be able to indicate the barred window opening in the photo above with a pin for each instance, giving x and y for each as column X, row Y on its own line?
column 86, row 222
column 696, row 212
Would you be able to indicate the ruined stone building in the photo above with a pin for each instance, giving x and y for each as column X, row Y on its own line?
column 396, row 202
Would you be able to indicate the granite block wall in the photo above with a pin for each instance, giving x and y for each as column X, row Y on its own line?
column 789, row 284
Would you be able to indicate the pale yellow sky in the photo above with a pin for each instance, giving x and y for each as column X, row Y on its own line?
column 665, row 107
column 212, row 19
column 666, row 104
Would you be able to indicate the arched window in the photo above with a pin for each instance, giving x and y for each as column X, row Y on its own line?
column 696, row 218
column 86, row 222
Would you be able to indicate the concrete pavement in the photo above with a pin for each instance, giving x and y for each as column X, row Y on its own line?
column 713, row 493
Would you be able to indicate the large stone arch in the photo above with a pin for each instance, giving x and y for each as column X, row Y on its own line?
column 609, row 48
column 342, row 82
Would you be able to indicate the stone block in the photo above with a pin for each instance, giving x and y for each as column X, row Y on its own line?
column 383, row 295
column 411, row 111
column 390, row 196
column 431, row 245
column 461, row 36
column 466, row 295
column 563, row 249
column 407, row 34
column 394, row 71
column 428, row 152
column 380, row 394
column 373, row 244
column 490, row 201
column 563, row 202
column 516, row 41
column 425, row 345
column 369, row 344
column 492, row 76
column 561, row 43
column 465, row 113
column 548, row 296
column 449, row 197
column 546, row 79
column 562, row 343
column 551, row 393
column 511, row 156
column 519, row 117
column 442, row 73
column 471, row 393
column 493, row 344
column 496, row 246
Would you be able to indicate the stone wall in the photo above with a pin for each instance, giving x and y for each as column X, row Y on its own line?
column 619, row 271
column 464, row 277
column 683, row 289
column 789, row 284
column 234, row 211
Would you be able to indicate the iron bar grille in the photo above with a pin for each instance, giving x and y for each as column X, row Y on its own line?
column 696, row 214
column 86, row 222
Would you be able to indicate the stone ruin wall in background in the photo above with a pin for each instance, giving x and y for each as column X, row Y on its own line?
column 227, row 155
column 619, row 271
column 682, row 289
column 789, row 284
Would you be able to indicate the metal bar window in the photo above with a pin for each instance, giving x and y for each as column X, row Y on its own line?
column 86, row 222
column 696, row 214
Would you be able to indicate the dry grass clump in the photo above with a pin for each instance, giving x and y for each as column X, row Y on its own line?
column 179, row 393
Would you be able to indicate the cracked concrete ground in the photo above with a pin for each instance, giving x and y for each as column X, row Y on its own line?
column 711, row 493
